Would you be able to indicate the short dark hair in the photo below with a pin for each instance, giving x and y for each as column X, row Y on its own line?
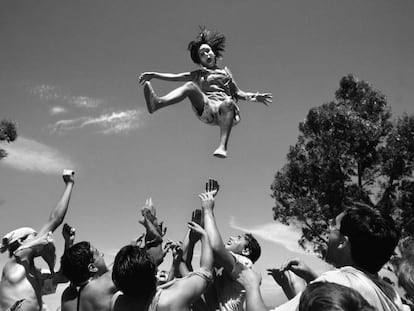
column 325, row 296
column 373, row 236
column 215, row 40
column 253, row 246
column 75, row 262
column 133, row 272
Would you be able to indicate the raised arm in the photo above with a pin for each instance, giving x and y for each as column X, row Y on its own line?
column 185, row 291
column 221, row 255
column 287, row 280
column 154, row 232
column 58, row 213
column 68, row 234
column 299, row 268
column 177, row 77
column 191, row 238
column 178, row 266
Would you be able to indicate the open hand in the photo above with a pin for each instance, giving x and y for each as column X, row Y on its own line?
column 207, row 200
column 298, row 267
column 194, row 227
column 148, row 212
column 265, row 98
column 281, row 277
column 212, row 186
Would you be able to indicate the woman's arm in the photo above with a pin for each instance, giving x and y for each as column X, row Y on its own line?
column 265, row 98
column 177, row 77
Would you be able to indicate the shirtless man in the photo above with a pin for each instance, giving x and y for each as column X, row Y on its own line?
column 227, row 294
column 134, row 274
column 22, row 284
column 91, row 287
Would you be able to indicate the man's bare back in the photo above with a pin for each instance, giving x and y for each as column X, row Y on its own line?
column 96, row 295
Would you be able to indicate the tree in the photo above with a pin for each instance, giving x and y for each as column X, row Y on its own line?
column 8, row 133
column 348, row 150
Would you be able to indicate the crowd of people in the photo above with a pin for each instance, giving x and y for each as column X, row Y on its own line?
column 361, row 242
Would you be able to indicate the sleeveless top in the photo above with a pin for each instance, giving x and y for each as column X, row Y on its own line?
column 218, row 86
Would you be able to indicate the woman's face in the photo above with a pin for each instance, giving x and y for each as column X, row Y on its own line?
column 207, row 56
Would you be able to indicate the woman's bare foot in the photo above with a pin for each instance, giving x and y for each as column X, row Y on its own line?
column 220, row 153
column 150, row 97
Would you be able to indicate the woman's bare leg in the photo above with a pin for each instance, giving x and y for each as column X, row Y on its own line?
column 189, row 89
column 226, row 112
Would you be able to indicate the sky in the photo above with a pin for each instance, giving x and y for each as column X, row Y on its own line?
column 69, row 78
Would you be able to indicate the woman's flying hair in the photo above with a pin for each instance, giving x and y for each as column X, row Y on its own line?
column 215, row 40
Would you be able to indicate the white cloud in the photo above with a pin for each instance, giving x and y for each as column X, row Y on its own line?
column 84, row 101
column 30, row 155
column 113, row 123
column 57, row 110
column 53, row 93
column 275, row 232
column 46, row 92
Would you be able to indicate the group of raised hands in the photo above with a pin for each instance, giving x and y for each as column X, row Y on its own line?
column 152, row 240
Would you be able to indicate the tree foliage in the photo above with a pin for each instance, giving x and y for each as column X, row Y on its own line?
column 8, row 133
column 348, row 150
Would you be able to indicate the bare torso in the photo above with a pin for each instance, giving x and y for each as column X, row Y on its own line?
column 95, row 296
column 15, row 286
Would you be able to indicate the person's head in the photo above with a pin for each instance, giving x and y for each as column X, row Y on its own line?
column 325, row 296
column 82, row 261
column 362, row 237
column 207, row 47
column 245, row 245
column 14, row 239
column 134, row 273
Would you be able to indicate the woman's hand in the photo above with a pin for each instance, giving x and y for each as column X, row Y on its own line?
column 146, row 76
column 265, row 98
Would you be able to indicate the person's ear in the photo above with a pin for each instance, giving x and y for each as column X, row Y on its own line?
column 92, row 268
column 246, row 251
column 344, row 243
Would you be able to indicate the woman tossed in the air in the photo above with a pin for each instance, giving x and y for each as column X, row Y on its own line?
column 211, row 90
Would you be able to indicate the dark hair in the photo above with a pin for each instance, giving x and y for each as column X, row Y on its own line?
column 75, row 261
column 215, row 40
column 373, row 236
column 13, row 247
column 134, row 273
column 325, row 296
column 253, row 246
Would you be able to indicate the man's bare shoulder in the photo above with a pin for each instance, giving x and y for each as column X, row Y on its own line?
column 103, row 283
column 13, row 272
column 98, row 293
column 176, row 296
